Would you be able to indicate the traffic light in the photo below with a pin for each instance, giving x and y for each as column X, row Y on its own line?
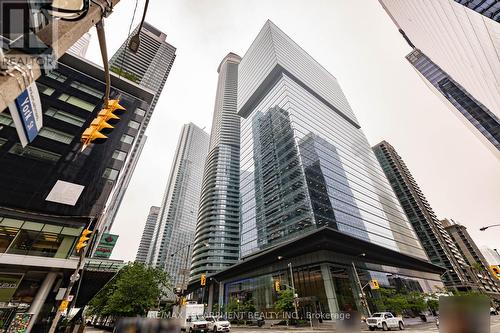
column 82, row 241
column 203, row 279
column 102, row 124
column 277, row 285
column 496, row 271
column 374, row 284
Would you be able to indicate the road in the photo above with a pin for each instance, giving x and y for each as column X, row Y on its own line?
column 421, row 328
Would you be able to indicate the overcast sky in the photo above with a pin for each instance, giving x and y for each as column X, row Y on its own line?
column 357, row 42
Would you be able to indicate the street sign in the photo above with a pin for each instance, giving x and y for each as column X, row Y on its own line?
column 27, row 114
column 64, row 305
column 106, row 246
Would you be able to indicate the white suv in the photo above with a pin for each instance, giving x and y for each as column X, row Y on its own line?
column 218, row 324
column 385, row 321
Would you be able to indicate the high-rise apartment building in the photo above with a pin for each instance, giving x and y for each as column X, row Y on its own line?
column 436, row 241
column 217, row 238
column 176, row 226
column 455, row 51
column 478, row 266
column 316, row 208
column 149, row 67
column 147, row 235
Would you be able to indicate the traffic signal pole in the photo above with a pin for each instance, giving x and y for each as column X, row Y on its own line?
column 72, row 280
column 60, row 37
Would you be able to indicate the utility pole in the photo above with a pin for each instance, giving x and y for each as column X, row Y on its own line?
column 362, row 293
column 295, row 295
column 60, row 35
column 72, row 280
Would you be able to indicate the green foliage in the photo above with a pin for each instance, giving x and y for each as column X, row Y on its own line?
column 399, row 303
column 285, row 302
column 133, row 291
column 128, row 75
column 233, row 306
column 433, row 304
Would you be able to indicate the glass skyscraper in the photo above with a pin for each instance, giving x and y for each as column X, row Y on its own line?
column 455, row 51
column 176, row 223
column 316, row 210
column 217, row 234
column 305, row 163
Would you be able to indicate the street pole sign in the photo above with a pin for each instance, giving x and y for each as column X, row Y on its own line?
column 27, row 114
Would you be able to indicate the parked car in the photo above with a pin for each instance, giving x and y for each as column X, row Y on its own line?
column 384, row 321
column 218, row 324
column 493, row 311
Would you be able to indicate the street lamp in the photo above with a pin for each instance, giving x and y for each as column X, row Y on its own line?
column 489, row 226
column 362, row 294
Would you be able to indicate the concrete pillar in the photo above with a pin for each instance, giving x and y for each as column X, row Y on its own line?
column 40, row 298
column 210, row 302
column 221, row 295
column 331, row 294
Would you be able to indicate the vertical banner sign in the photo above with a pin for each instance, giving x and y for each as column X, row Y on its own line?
column 27, row 114
column 106, row 245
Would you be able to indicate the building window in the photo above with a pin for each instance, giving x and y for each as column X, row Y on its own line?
column 110, row 174
column 42, row 88
column 57, row 76
column 86, row 89
column 134, row 124
column 127, row 139
column 65, row 116
column 35, row 243
column 77, row 102
column 34, row 153
column 56, row 135
column 6, row 119
column 119, row 155
column 140, row 112
column 7, row 235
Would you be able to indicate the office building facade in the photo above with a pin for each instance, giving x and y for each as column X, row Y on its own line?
column 50, row 190
column 147, row 235
column 176, row 226
column 217, row 233
column 149, row 68
column 316, row 208
column 457, row 57
column 436, row 241
column 477, row 264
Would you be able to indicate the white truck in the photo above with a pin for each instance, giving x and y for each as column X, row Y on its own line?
column 189, row 317
column 384, row 321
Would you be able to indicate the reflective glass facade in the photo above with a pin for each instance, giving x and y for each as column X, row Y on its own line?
column 459, row 39
column 487, row 123
column 305, row 163
column 216, row 243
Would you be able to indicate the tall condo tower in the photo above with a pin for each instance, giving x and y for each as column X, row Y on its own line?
column 147, row 235
column 455, row 51
column 436, row 241
column 217, row 233
column 174, row 234
column 316, row 208
column 149, row 67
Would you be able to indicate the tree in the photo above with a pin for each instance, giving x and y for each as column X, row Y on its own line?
column 134, row 290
